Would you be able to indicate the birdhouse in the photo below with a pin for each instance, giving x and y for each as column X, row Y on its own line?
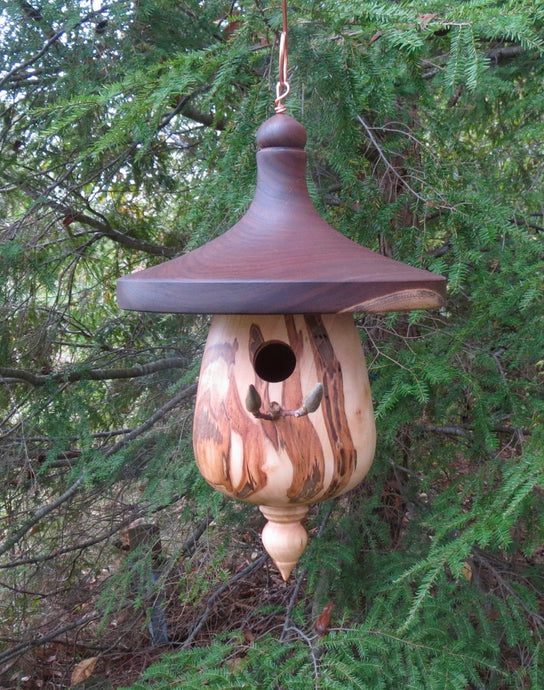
column 283, row 415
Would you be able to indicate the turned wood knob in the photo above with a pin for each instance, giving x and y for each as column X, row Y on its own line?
column 284, row 537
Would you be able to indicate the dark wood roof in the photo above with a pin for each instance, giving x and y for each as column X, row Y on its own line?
column 281, row 257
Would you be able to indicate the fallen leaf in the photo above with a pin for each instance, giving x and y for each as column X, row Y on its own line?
column 249, row 636
column 322, row 622
column 467, row 570
column 83, row 670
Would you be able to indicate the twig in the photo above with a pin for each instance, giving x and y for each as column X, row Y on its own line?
column 179, row 397
column 39, row 514
column 44, row 639
column 315, row 654
column 93, row 374
column 218, row 592
column 300, row 578
column 466, row 432
column 386, row 162
column 291, row 604
column 77, row 547
column 451, row 430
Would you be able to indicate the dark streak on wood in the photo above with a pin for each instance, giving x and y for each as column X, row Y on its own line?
column 236, row 452
column 333, row 404
column 302, row 442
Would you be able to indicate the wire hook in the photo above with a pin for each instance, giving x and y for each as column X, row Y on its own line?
column 282, row 87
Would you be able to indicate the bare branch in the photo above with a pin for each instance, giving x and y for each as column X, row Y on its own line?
column 385, row 160
column 39, row 515
column 184, row 107
column 466, row 432
column 451, row 430
column 218, row 592
column 506, row 52
column 106, row 229
column 77, row 547
column 71, row 491
column 44, row 639
column 91, row 374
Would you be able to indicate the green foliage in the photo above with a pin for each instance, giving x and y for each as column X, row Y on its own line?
column 370, row 655
column 127, row 137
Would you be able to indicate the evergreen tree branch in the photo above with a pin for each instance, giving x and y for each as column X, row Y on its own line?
column 98, row 223
column 183, row 394
column 52, row 40
column 71, row 491
column 21, row 375
column 105, row 228
column 488, row 562
column 28, row 63
column 98, row 434
column 137, row 511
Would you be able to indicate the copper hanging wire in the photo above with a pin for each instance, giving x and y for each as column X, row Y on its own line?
column 282, row 87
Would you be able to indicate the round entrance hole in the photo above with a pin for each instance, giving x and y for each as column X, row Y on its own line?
column 274, row 361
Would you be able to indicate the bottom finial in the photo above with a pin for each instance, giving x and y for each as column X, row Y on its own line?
column 283, row 536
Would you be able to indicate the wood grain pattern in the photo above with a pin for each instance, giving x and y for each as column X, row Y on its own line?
column 290, row 459
column 335, row 417
column 284, row 537
column 284, row 464
column 281, row 257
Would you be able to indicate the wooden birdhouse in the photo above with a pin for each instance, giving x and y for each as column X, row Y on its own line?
column 283, row 415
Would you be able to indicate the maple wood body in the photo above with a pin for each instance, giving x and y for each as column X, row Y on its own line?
column 287, row 463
